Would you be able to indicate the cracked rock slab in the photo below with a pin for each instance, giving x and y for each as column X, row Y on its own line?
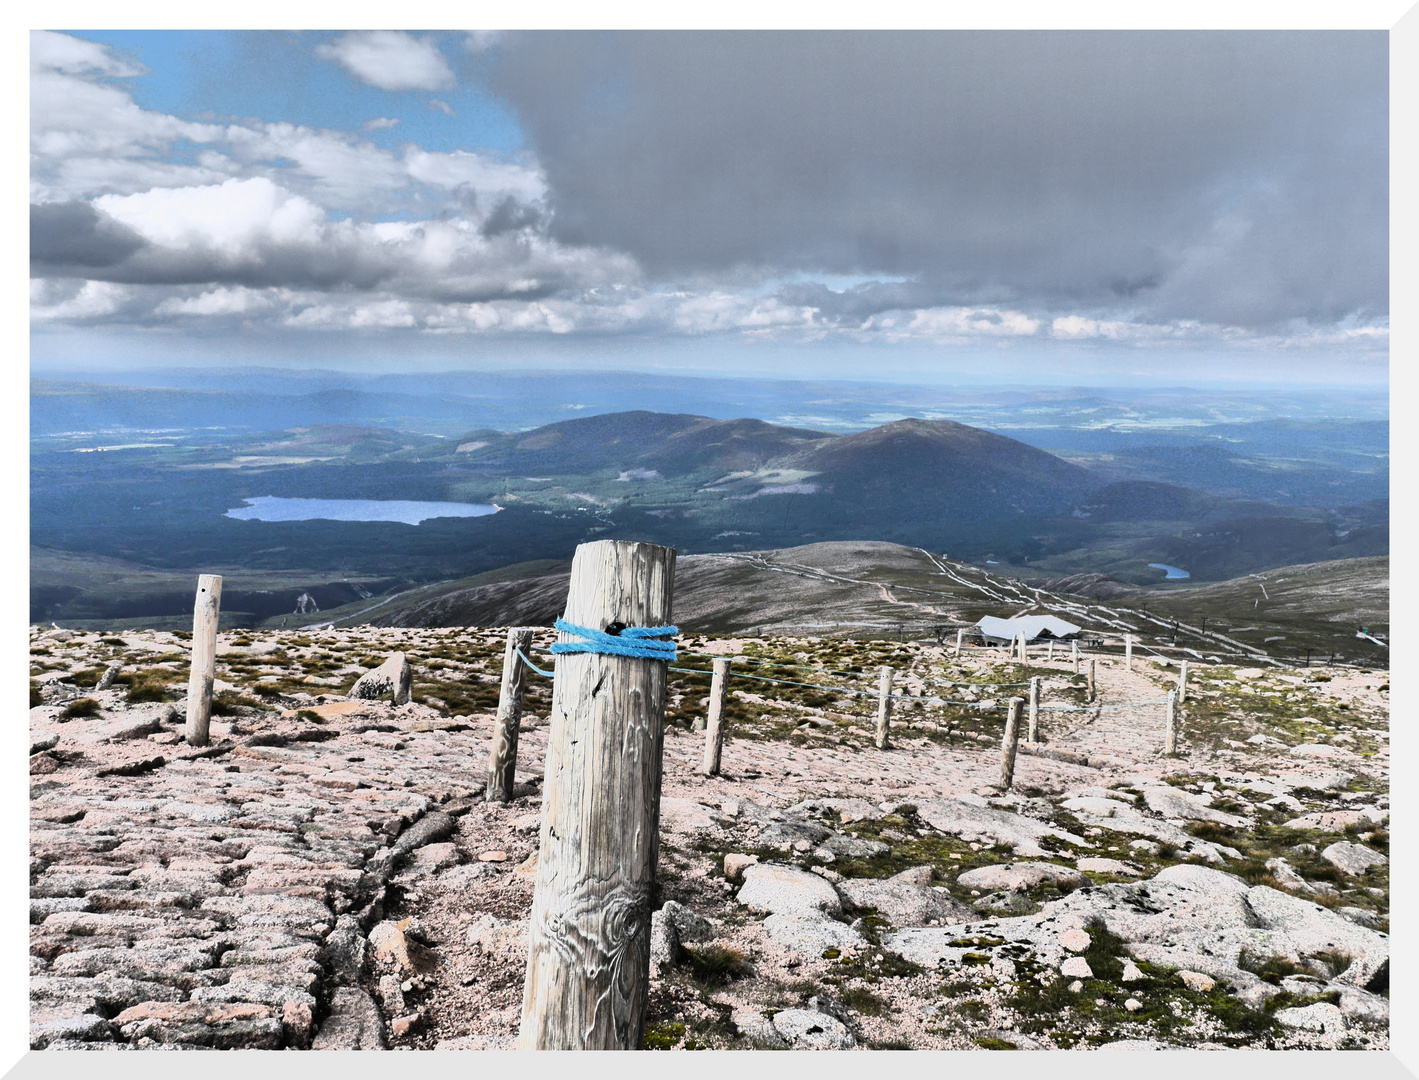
column 354, row 1023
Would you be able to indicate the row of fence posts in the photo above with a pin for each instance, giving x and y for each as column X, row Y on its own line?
column 503, row 757
column 588, row 963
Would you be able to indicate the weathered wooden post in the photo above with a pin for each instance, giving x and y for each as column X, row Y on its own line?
column 884, row 707
column 1128, row 651
column 1008, row 744
column 502, row 758
column 1034, row 727
column 1022, row 647
column 1049, row 653
column 714, row 727
column 1182, row 681
column 588, row 962
column 204, row 658
column 1170, row 737
column 1091, row 680
column 1074, row 655
column 960, row 638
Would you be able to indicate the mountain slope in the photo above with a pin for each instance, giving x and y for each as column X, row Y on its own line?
column 871, row 588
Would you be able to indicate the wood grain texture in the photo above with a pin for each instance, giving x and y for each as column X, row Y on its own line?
column 205, row 611
column 507, row 725
column 1009, row 744
column 1074, row 655
column 884, row 707
column 714, row 726
column 1182, row 681
column 1034, row 726
column 1170, row 722
column 588, row 964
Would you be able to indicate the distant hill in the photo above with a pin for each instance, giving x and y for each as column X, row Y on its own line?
column 669, row 444
column 868, row 588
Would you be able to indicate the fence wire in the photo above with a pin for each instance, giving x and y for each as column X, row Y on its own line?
column 978, row 706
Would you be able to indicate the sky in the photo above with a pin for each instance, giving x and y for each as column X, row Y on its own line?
column 1014, row 206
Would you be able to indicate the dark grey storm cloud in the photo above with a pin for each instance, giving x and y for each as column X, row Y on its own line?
column 1221, row 176
column 75, row 235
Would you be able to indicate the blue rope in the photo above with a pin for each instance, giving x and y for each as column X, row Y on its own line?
column 637, row 641
column 534, row 667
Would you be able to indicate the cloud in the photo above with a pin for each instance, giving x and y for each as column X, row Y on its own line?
column 50, row 51
column 88, row 138
column 788, row 188
column 1237, row 178
column 441, row 106
column 390, row 60
column 480, row 41
column 74, row 234
column 255, row 234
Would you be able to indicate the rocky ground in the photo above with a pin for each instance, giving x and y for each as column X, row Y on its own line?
column 326, row 875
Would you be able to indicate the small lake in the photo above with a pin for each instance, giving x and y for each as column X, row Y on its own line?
column 1174, row 574
column 274, row 508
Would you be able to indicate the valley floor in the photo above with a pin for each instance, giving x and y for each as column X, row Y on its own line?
column 327, row 875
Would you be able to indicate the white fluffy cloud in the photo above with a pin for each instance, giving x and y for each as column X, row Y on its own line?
column 75, row 56
column 390, row 60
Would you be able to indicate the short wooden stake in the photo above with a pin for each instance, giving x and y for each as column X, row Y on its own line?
column 502, row 758
column 1182, row 681
column 1128, row 651
column 960, row 638
column 884, row 708
column 1049, row 654
column 1009, row 743
column 588, row 962
column 1091, row 680
column 1170, row 737
column 1034, row 727
column 1074, row 655
column 205, row 611
column 714, row 727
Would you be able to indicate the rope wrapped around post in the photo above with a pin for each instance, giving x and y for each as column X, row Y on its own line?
column 639, row 641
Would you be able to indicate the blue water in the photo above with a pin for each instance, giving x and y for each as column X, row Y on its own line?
column 274, row 508
column 1174, row 573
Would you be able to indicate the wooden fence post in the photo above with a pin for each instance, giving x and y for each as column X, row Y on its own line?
column 588, row 962
column 1074, row 655
column 205, row 610
column 1034, row 727
column 502, row 758
column 960, row 637
column 1170, row 736
column 1049, row 654
column 1182, row 681
column 1008, row 744
column 1091, row 680
column 1128, row 651
column 714, row 727
column 884, row 707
